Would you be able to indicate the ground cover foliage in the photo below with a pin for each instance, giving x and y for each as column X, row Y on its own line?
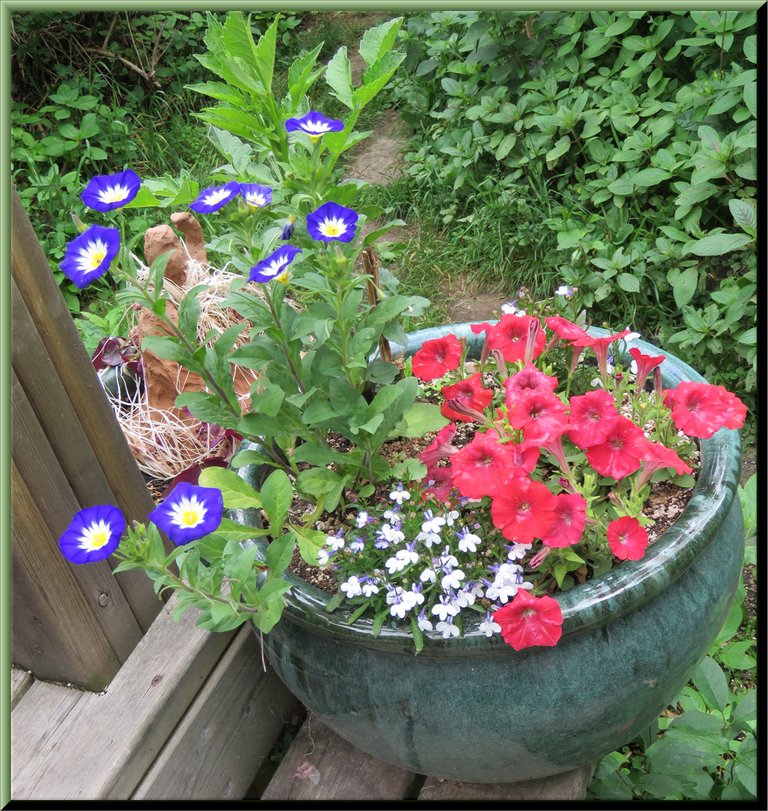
column 613, row 152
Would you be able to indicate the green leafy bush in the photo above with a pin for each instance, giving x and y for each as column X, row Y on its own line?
column 629, row 136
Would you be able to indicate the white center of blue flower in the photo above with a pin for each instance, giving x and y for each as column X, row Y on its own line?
column 255, row 198
column 188, row 513
column 332, row 227
column 113, row 194
column 216, row 196
column 315, row 127
column 95, row 536
column 91, row 256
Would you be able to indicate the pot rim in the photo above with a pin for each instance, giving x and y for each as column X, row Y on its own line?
column 585, row 606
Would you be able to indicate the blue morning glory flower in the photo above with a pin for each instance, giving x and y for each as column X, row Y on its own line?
column 332, row 222
column 275, row 265
column 89, row 256
column 190, row 512
column 214, row 198
column 107, row 192
column 93, row 534
column 255, row 195
column 314, row 124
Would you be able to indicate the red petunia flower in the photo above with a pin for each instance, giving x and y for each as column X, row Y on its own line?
column 570, row 515
column 540, row 415
column 566, row 330
column 510, row 336
column 527, row 380
column 439, row 482
column 529, row 621
column 523, row 510
column 657, row 456
column 440, row 447
column 645, row 365
column 701, row 409
column 600, row 346
column 482, row 466
column 622, row 451
column 467, row 395
column 436, row 357
column 627, row 539
column 592, row 417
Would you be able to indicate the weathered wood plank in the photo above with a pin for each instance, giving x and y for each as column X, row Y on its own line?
column 220, row 744
column 570, row 785
column 54, row 325
column 322, row 766
column 21, row 681
column 48, row 494
column 56, row 632
column 108, row 742
column 42, row 710
column 79, row 461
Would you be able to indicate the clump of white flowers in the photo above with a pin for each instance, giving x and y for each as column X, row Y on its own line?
column 421, row 561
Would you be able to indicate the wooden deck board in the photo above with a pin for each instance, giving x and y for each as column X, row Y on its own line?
column 21, row 681
column 119, row 733
column 570, row 785
column 322, row 766
column 226, row 734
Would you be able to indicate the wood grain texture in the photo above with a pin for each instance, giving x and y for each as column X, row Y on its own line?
column 21, row 681
column 34, row 722
column 570, row 785
column 51, row 319
column 79, row 461
column 322, row 766
column 49, row 494
column 108, row 742
column 227, row 732
column 56, row 631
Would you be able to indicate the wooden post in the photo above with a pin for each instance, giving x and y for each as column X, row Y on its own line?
column 70, row 623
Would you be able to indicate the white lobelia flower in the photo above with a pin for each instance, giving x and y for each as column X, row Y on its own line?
column 428, row 575
column 428, row 539
column 447, row 629
column 488, row 626
column 391, row 534
column 395, row 564
column 448, row 559
column 399, row 495
column 451, row 517
column 433, row 524
column 468, row 541
column 369, row 588
column 452, row 580
column 413, row 598
column 423, row 623
column 352, row 587
column 446, row 607
column 517, row 551
column 334, row 542
column 408, row 555
column 362, row 519
column 393, row 516
column 323, row 556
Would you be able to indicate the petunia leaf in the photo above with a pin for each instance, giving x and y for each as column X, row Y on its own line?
column 377, row 41
column 338, row 75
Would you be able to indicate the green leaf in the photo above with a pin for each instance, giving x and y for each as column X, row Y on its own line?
column 560, row 148
column 622, row 24
column 377, row 41
column 377, row 76
column 237, row 493
column 420, row 419
column 750, row 97
column 280, row 553
column 264, row 54
column 230, row 530
column 628, row 282
column 735, row 656
column 750, row 49
column 276, row 495
column 745, row 769
column 189, row 313
column 684, row 285
column 338, row 75
column 206, row 408
column 744, row 214
column 650, row 177
column 301, row 76
column 622, row 186
column 709, row 679
column 310, row 542
column 718, row 244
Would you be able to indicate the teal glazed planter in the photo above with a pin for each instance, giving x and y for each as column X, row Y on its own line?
column 472, row 708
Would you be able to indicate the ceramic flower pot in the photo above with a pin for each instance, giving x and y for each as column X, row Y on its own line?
column 474, row 709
